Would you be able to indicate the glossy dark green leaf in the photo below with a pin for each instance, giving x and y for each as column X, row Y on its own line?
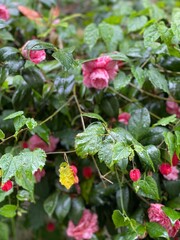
column 34, row 78
column 64, row 86
column 63, row 206
column 157, row 79
column 170, row 142
column 8, row 53
column 110, row 105
column 51, row 203
column 139, row 123
column 121, row 80
column 77, row 208
column 36, row 44
column 154, row 136
column 94, row 115
column 122, row 198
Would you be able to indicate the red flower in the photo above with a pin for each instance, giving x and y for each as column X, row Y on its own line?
column 124, row 117
column 24, row 145
column 50, row 227
column 7, row 186
column 175, row 160
column 135, row 174
column 165, row 168
column 87, row 172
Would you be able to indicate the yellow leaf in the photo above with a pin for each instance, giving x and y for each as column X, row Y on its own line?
column 67, row 176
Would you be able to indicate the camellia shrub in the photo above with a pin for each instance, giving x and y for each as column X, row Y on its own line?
column 89, row 119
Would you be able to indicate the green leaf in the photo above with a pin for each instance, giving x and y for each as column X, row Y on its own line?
column 42, row 131
column 26, row 160
column 111, row 35
column 34, row 78
column 86, row 187
column 121, row 80
column 119, row 56
column 14, row 115
column 106, row 151
column 145, row 158
column 157, row 79
column 110, row 105
column 89, row 141
column 2, row 135
column 119, row 220
column 169, row 139
column 139, row 75
column 165, row 121
column 77, row 208
column 3, row 194
column 172, row 214
column 123, row 193
column 177, row 142
column 121, row 151
column 94, row 115
column 155, row 230
column 4, row 231
column 147, row 188
column 172, row 188
column 19, row 122
column 65, row 57
column 139, row 123
column 8, row 211
column 91, row 35
column 150, row 35
column 51, row 203
column 176, row 22
column 64, row 86
column 136, row 23
column 154, row 136
column 31, row 123
column 63, row 206
column 174, row 203
column 36, row 44
column 8, row 53
column 23, row 195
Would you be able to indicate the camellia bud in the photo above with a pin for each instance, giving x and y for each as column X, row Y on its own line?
column 165, row 168
column 50, row 227
column 87, row 172
column 175, row 160
column 135, row 174
column 7, row 186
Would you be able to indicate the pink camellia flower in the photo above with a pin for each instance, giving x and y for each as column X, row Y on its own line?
column 172, row 107
column 156, row 214
column 39, row 174
column 99, row 72
column 173, row 175
column 124, row 118
column 85, row 228
column 4, row 13
column 36, row 142
column 135, row 174
column 35, row 56
column 7, row 186
column 165, row 168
